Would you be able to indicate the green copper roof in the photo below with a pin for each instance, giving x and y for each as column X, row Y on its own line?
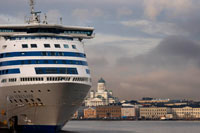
column 101, row 81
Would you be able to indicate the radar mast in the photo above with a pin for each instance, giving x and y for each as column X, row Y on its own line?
column 35, row 18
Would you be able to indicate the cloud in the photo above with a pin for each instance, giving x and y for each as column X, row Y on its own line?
column 154, row 8
column 124, row 11
column 171, row 70
column 127, row 50
column 113, row 46
column 115, row 39
column 164, row 84
column 87, row 14
column 54, row 16
column 172, row 53
column 154, row 27
column 8, row 19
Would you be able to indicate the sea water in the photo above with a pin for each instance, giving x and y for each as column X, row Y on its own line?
column 132, row 127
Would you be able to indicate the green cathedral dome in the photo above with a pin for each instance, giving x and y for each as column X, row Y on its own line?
column 101, row 81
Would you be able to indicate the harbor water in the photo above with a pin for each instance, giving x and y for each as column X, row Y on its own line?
column 132, row 127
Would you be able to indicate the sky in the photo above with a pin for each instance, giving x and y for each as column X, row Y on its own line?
column 142, row 48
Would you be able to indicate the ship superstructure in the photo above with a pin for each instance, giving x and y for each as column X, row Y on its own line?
column 44, row 73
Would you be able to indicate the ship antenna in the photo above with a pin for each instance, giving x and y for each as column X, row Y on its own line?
column 35, row 18
column 45, row 19
column 60, row 20
column 32, row 3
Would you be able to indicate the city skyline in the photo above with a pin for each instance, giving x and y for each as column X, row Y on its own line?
column 142, row 47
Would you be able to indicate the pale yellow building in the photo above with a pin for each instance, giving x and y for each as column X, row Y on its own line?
column 186, row 113
column 154, row 112
column 128, row 112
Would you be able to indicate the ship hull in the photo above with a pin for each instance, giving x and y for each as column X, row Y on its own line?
column 42, row 106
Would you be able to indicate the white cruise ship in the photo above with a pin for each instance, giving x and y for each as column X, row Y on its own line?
column 44, row 74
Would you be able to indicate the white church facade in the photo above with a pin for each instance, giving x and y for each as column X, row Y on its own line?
column 100, row 97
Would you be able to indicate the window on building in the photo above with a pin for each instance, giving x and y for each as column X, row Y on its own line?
column 74, row 46
column 33, row 45
column 66, row 45
column 47, row 45
column 24, row 45
column 57, row 45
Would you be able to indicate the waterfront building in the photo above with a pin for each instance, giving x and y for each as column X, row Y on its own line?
column 105, row 112
column 90, row 113
column 75, row 115
column 128, row 111
column 101, row 97
column 154, row 112
column 186, row 112
column 152, row 100
column 79, row 114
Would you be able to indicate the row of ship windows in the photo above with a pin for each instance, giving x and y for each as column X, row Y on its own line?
column 53, row 70
column 25, row 79
column 9, row 71
column 42, row 53
column 27, row 101
column 45, row 70
column 41, row 37
column 29, row 62
column 46, row 30
column 48, row 46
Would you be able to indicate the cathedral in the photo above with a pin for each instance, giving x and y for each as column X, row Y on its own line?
column 100, row 97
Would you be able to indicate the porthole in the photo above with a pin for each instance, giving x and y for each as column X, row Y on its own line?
column 26, row 100
column 4, row 46
column 39, row 99
column 11, row 101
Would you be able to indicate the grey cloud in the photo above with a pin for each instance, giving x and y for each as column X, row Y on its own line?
column 169, row 70
column 192, row 25
column 98, row 62
column 165, row 84
column 106, row 49
column 172, row 52
column 178, row 46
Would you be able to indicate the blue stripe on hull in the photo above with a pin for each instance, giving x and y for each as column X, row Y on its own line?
column 39, row 129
